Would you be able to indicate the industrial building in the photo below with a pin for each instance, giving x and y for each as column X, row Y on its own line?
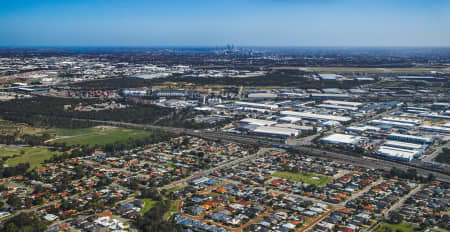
column 410, row 138
column 403, row 120
column 434, row 116
column 397, row 153
column 258, row 122
column 316, row 117
column 256, row 105
column 341, row 139
column 303, row 129
column 262, row 96
column 417, row 78
column 275, row 131
column 385, row 123
column 330, row 76
column 337, row 107
column 343, row 103
column 362, row 129
column 289, row 119
column 404, row 145
column 134, row 92
column 169, row 93
column 439, row 129
column 330, row 96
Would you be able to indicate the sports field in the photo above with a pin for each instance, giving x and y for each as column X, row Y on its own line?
column 96, row 135
column 33, row 155
column 404, row 227
column 305, row 177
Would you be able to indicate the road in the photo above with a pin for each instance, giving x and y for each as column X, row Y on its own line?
column 229, row 164
column 431, row 156
column 403, row 199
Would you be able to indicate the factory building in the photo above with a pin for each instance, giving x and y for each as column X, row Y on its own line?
column 256, row 105
column 362, row 129
column 316, row 117
column 303, row 129
column 403, row 120
column 275, row 131
column 439, row 129
column 341, row 139
column 329, row 96
column 404, row 145
column 262, row 96
column 258, row 122
column 397, row 153
column 169, row 93
column 435, row 116
column 417, row 78
column 329, row 76
column 251, row 109
column 134, row 92
column 343, row 103
column 289, row 119
column 410, row 138
column 337, row 107
column 385, row 123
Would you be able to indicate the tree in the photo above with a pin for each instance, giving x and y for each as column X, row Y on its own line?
column 395, row 218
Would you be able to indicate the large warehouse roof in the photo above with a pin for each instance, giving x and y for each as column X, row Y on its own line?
column 343, row 103
column 436, row 129
column 256, row 105
column 403, row 120
column 276, row 131
column 392, row 123
column 397, row 153
column 403, row 145
column 258, row 122
column 290, row 119
column 341, row 139
column 339, row 107
column 409, row 138
column 308, row 115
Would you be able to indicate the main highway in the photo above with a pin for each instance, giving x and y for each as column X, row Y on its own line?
column 360, row 161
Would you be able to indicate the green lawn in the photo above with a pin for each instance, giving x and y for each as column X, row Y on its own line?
column 404, row 227
column 72, row 132
column 173, row 209
column 176, row 188
column 305, row 177
column 148, row 204
column 33, row 155
column 97, row 135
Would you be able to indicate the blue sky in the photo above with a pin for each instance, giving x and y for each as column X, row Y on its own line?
column 220, row 22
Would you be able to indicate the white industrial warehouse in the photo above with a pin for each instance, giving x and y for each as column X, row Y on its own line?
column 341, row 139
column 410, row 138
column 275, row 131
column 392, row 124
column 398, row 153
column 313, row 116
column 256, row 105
column 258, row 122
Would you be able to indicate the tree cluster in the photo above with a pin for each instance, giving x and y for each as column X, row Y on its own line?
column 444, row 156
column 24, row 223
column 410, row 174
column 50, row 112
